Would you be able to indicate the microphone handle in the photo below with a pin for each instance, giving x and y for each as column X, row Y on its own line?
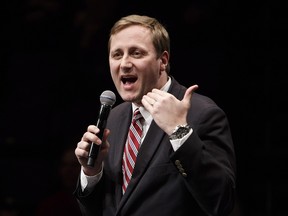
column 101, row 124
column 94, row 149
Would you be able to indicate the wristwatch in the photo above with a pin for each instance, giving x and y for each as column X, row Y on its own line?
column 180, row 131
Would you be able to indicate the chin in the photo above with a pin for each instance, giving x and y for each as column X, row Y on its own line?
column 127, row 97
column 130, row 98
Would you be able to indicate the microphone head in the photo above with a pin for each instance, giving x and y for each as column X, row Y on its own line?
column 108, row 98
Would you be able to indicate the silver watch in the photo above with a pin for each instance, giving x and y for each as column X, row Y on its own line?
column 180, row 131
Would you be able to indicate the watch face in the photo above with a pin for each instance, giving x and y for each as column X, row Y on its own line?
column 180, row 132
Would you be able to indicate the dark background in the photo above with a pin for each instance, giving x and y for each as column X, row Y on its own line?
column 54, row 66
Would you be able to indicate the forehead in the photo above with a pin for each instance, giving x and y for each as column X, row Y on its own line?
column 131, row 35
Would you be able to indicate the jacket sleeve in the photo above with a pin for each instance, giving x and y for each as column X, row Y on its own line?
column 207, row 161
column 90, row 202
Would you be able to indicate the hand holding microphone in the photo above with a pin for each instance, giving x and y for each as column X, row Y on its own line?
column 107, row 99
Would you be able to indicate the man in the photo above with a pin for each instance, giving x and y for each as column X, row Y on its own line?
column 185, row 164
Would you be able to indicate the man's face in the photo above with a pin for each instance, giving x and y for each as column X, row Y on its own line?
column 134, row 66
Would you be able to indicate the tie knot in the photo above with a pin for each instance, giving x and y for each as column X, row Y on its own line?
column 137, row 115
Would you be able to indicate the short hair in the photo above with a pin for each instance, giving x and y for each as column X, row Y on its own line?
column 160, row 36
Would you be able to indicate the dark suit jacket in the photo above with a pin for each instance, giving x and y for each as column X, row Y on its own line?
column 198, row 179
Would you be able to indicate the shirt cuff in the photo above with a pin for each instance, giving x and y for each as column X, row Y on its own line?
column 88, row 182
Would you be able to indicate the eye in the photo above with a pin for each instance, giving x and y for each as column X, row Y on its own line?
column 116, row 55
column 137, row 53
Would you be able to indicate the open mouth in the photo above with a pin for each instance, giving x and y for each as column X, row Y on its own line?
column 128, row 80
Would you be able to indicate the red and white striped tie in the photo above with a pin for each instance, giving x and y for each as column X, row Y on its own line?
column 131, row 148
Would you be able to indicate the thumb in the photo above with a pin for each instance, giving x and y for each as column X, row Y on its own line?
column 188, row 93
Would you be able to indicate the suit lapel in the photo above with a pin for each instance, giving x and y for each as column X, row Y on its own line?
column 147, row 151
column 119, row 128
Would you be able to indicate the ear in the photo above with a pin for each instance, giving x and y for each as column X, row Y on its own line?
column 164, row 60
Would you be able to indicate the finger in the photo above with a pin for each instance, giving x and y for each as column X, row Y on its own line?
column 149, row 99
column 188, row 93
column 83, row 145
column 93, row 129
column 145, row 102
column 81, row 151
column 91, row 135
column 156, row 95
column 158, row 92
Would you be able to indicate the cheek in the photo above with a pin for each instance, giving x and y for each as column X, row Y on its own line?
column 151, row 78
column 113, row 69
column 112, row 65
column 113, row 76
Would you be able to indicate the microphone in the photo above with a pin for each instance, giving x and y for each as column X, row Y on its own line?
column 107, row 99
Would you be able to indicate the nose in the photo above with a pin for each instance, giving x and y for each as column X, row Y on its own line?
column 126, row 64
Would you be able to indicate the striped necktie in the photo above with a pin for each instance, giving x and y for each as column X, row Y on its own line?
column 131, row 148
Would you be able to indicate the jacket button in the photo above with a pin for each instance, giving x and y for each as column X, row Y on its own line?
column 181, row 170
column 177, row 162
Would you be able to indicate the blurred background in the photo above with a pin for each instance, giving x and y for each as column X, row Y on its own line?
column 54, row 66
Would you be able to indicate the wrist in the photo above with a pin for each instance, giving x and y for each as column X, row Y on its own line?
column 92, row 171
